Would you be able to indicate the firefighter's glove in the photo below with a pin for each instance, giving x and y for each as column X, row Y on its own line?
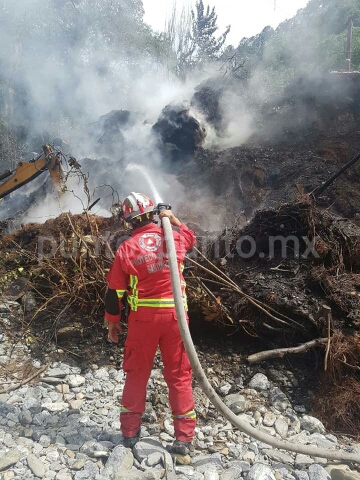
column 114, row 330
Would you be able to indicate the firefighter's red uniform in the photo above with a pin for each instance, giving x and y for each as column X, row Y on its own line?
column 141, row 267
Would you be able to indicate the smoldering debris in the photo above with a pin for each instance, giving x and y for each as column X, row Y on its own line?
column 291, row 260
column 275, row 293
column 180, row 132
column 206, row 99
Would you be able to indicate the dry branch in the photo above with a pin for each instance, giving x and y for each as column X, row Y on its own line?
column 280, row 352
column 23, row 382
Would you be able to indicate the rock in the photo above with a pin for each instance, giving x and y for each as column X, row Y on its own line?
column 181, row 459
column 75, row 380
column 9, row 475
column 232, row 473
column 259, row 382
column 186, row 470
column 339, row 474
column 300, row 475
column 224, row 389
column 147, row 446
column 93, row 449
column 75, row 438
column 312, row 424
column 25, row 417
column 269, row 419
column 200, row 461
column 169, row 427
column 45, row 441
column 279, row 456
column 317, row 472
column 59, row 371
column 208, row 472
column 36, row 466
column 236, row 402
column 76, row 404
column 281, row 426
column 78, row 465
column 119, row 463
column 62, row 388
column 278, row 399
column 10, row 458
column 257, row 417
column 245, row 466
column 249, row 457
column 55, row 407
column 5, row 409
column 260, row 471
column 154, row 459
column 301, row 437
column 303, row 461
column 321, row 441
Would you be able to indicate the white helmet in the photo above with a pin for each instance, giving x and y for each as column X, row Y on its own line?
column 136, row 204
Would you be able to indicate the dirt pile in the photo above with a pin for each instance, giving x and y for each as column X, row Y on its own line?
column 56, row 270
column 293, row 260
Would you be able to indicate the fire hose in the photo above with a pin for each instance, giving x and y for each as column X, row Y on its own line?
column 206, row 386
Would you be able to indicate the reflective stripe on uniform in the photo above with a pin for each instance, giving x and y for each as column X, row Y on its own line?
column 133, row 298
column 159, row 302
column 124, row 410
column 191, row 414
column 156, row 302
column 135, row 302
column 120, row 293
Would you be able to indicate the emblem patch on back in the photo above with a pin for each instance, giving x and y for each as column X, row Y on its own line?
column 150, row 242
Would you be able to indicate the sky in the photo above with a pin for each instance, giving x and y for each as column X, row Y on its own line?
column 246, row 17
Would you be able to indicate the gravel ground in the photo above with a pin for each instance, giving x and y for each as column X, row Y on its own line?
column 64, row 424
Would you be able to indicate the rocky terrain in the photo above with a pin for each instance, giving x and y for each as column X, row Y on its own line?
column 63, row 424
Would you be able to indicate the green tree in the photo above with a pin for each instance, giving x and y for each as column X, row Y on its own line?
column 311, row 42
column 192, row 40
column 204, row 26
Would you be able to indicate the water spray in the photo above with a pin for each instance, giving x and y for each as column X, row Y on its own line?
column 155, row 194
column 203, row 381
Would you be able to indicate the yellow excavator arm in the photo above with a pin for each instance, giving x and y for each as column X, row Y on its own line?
column 26, row 171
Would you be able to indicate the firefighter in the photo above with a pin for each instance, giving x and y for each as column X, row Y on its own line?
column 140, row 278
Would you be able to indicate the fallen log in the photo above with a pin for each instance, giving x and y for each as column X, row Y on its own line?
column 280, row 352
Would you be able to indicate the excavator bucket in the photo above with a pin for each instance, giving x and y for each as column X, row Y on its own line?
column 25, row 172
column 54, row 165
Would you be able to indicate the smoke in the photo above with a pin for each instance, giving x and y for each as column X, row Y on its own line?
column 63, row 78
column 66, row 69
column 238, row 121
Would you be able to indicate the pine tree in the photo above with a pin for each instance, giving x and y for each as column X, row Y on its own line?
column 208, row 47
